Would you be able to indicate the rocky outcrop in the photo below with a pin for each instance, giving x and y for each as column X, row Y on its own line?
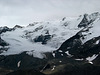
column 43, row 39
column 22, row 61
column 88, row 19
column 17, row 26
column 4, row 29
column 3, row 46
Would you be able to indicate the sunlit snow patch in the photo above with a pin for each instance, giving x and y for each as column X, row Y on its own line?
column 18, row 64
column 67, row 52
column 90, row 59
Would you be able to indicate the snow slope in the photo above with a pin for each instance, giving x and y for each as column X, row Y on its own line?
column 22, row 39
column 19, row 44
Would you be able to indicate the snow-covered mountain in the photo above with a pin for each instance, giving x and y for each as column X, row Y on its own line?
column 55, row 47
column 41, row 37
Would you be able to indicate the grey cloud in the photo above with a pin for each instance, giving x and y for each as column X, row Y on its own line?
column 24, row 12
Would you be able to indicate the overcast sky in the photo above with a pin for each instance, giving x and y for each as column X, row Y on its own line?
column 23, row 12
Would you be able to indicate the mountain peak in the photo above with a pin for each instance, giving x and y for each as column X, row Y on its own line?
column 89, row 19
column 17, row 26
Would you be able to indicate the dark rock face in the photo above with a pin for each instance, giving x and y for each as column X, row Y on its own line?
column 26, row 62
column 43, row 38
column 17, row 26
column 77, row 49
column 3, row 45
column 22, row 64
column 86, row 69
column 4, row 71
column 26, row 72
column 89, row 48
column 84, row 21
column 88, row 19
column 4, row 29
column 71, row 43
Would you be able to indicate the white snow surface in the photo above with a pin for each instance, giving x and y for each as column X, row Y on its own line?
column 53, row 68
column 79, row 59
column 19, row 44
column 61, row 54
column 60, row 51
column 18, row 64
column 97, row 42
column 53, row 54
column 90, row 62
column 90, row 59
column 60, row 61
column 0, row 46
column 67, row 52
